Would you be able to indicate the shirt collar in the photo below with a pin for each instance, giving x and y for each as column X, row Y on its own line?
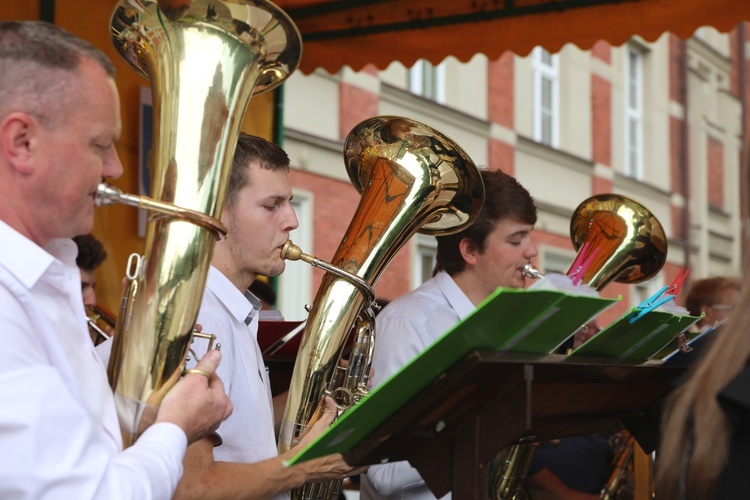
column 233, row 299
column 454, row 295
column 255, row 303
column 18, row 248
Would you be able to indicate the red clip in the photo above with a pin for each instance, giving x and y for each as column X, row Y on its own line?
column 674, row 288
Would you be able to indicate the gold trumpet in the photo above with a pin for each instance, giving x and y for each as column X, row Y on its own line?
column 617, row 239
column 205, row 59
column 412, row 178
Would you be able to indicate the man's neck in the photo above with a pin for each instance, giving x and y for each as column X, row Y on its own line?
column 240, row 280
column 470, row 287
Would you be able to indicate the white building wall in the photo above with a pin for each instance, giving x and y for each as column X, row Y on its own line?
column 575, row 102
column 523, row 96
column 311, row 104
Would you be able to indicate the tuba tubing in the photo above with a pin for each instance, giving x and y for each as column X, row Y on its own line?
column 411, row 178
column 205, row 60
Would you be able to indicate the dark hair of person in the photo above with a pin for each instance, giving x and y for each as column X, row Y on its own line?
column 38, row 67
column 505, row 199
column 251, row 148
column 264, row 291
column 91, row 252
column 707, row 292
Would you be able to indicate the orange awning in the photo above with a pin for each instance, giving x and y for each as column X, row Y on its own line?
column 354, row 33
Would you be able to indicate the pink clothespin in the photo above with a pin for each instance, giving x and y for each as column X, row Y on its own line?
column 581, row 264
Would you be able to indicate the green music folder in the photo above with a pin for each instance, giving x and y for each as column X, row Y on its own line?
column 640, row 340
column 508, row 320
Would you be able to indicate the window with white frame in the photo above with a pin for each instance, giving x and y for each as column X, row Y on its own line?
column 634, row 112
column 427, row 80
column 556, row 261
column 424, row 259
column 546, row 97
column 295, row 282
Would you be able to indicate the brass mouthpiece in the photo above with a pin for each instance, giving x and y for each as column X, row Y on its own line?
column 290, row 251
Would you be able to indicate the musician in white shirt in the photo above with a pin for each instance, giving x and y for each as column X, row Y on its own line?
column 492, row 252
column 259, row 216
column 59, row 120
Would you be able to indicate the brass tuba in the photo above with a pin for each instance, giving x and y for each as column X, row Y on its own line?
column 617, row 239
column 205, row 59
column 411, row 178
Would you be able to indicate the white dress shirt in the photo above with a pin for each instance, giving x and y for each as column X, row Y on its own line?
column 59, row 433
column 248, row 434
column 404, row 329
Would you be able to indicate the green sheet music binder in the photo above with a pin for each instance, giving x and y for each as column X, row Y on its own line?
column 640, row 340
column 508, row 320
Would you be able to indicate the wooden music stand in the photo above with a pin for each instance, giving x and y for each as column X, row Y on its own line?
column 488, row 401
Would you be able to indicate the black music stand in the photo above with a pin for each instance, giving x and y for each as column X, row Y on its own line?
column 488, row 401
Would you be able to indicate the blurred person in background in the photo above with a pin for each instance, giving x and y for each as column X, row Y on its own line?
column 91, row 254
column 705, row 430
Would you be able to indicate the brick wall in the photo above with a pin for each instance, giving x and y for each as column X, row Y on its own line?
column 715, row 173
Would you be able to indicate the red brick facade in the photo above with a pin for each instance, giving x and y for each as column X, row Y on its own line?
column 502, row 156
column 355, row 105
column 601, row 120
column 500, row 92
column 500, row 110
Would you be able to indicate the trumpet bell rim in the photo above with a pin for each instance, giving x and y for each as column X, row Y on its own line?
column 131, row 27
column 642, row 221
column 375, row 136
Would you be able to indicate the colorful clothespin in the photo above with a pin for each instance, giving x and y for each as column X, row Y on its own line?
column 581, row 264
column 651, row 303
column 674, row 288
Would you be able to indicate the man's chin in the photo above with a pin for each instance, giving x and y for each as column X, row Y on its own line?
column 276, row 270
column 519, row 282
column 82, row 227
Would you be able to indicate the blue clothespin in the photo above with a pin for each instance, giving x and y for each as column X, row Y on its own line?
column 651, row 303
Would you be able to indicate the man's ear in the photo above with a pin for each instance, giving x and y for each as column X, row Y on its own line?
column 17, row 140
column 468, row 250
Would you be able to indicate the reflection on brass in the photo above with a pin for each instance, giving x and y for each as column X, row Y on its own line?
column 411, row 178
column 629, row 242
column 620, row 486
column 510, row 468
column 101, row 324
column 205, row 59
